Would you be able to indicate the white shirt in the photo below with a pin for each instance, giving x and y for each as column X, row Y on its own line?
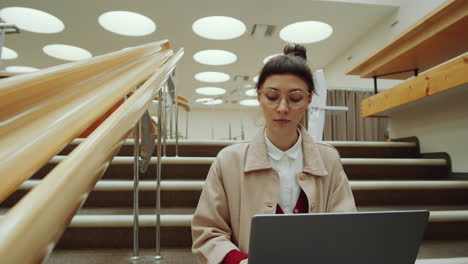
column 288, row 164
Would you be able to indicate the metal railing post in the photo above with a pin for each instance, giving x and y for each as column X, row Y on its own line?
column 186, row 124
column 136, row 174
column 171, row 121
column 164, row 119
column 158, row 181
column 176, row 123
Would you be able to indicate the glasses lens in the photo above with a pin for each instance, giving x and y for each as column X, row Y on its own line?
column 271, row 95
column 295, row 99
column 296, row 96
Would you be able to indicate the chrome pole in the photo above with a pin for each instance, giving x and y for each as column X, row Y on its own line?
column 212, row 123
column 158, row 181
column 171, row 111
column 176, row 123
column 242, row 130
column 2, row 39
column 136, row 174
column 164, row 101
column 186, row 124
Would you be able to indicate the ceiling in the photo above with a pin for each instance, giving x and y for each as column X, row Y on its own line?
column 174, row 19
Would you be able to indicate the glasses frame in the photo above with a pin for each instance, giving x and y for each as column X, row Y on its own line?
column 291, row 105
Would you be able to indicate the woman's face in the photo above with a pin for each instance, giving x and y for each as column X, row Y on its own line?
column 278, row 100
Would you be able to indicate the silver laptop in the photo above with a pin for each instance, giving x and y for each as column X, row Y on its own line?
column 337, row 238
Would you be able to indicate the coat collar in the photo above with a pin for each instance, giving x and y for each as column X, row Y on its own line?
column 257, row 156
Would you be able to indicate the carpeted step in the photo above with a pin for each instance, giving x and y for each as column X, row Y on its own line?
column 428, row 254
column 210, row 148
column 97, row 230
column 197, row 168
column 185, row 193
column 111, row 228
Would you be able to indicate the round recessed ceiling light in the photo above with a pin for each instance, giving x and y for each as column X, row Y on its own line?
column 218, row 27
column 32, row 20
column 271, row 57
column 203, row 100
column 66, row 52
column 255, row 79
column 20, row 69
column 8, row 54
column 215, row 57
column 249, row 102
column 306, row 32
column 251, row 92
column 210, row 91
column 212, row 77
column 209, row 101
column 127, row 23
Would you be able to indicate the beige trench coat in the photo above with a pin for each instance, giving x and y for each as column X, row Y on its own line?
column 241, row 183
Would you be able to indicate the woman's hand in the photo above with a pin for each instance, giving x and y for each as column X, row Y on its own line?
column 245, row 261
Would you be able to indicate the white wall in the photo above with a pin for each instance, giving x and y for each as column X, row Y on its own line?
column 202, row 120
column 440, row 122
column 408, row 14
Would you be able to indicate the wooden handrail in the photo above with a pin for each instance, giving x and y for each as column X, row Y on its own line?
column 44, row 213
column 185, row 105
column 4, row 74
column 41, row 112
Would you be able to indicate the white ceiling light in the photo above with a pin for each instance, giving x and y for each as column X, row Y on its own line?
column 203, row 100
column 127, row 23
column 209, row 101
column 210, row 91
column 32, row 20
column 306, row 32
column 218, row 27
column 214, row 102
column 255, row 79
column 215, row 57
column 8, row 54
column 251, row 92
column 249, row 102
column 20, row 69
column 212, row 77
column 66, row 52
column 271, row 57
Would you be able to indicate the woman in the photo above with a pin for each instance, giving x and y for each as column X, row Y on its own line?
column 282, row 170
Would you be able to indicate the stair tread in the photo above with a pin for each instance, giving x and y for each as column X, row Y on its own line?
column 127, row 160
column 190, row 211
column 185, row 142
column 448, row 251
column 194, row 185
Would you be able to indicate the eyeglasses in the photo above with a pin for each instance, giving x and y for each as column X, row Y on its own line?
column 296, row 99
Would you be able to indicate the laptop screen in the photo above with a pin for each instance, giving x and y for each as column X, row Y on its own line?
column 337, row 238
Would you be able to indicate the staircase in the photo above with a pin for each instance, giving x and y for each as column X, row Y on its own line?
column 383, row 176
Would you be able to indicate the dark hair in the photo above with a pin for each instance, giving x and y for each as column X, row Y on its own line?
column 294, row 61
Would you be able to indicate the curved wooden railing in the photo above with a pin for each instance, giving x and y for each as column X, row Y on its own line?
column 184, row 103
column 41, row 112
column 62, row 101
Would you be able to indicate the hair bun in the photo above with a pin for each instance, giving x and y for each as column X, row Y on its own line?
column 295, row 50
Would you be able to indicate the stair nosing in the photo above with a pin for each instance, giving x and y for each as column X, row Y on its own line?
column 185, row 220
column 124, row 160
column 185, row 142
column 197, row 185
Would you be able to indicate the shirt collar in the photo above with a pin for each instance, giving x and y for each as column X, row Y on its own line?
column 276, row 153
column 257, row 157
